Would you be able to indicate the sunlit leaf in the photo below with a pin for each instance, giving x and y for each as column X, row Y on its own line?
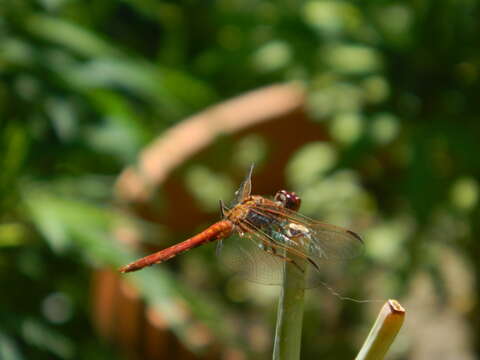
column 70, row 35
column 48, row 339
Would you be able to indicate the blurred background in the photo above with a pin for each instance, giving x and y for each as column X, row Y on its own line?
column 368, row 110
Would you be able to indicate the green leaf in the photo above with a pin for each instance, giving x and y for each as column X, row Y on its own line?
column 46, row 338
column 70, row 35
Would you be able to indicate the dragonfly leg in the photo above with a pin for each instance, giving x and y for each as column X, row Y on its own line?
column 272, row 251
column 313, row 263
column 265, row 246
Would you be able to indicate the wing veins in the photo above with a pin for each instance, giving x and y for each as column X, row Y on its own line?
column 272, row 242
column 299, row 218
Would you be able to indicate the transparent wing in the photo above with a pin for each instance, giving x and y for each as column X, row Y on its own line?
column 313, row 248
column 247, row 259
column 245, row 187
column 314, row 239
column 254, row 257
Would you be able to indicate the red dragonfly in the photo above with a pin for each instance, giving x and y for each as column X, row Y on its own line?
column 266, row 234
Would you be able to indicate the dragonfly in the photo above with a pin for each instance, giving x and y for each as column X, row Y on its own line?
column 258, row 236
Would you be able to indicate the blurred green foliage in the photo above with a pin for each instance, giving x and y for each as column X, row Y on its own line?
column 86, row 84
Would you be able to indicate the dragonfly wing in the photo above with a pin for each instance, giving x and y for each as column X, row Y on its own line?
column 219, row 247
column 329, row 242
column 255, row 255
column 318, row 240
column 245, row 187
column 246, row 258
column 272, row 236
column 318, row 246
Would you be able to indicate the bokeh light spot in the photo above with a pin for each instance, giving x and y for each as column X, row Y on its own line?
column 272, row 56
column 346, row 128
column 384, row 128
column 464, row 193
column 310, row 162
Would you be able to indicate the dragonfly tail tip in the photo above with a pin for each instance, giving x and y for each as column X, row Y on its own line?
column 125, row 269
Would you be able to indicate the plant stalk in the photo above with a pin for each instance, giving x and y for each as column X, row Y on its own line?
column 383, row 332
column 288, row 332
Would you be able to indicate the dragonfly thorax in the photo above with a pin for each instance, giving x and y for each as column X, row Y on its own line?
column 242, row 210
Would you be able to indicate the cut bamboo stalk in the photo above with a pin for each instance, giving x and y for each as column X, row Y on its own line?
column 383, row 332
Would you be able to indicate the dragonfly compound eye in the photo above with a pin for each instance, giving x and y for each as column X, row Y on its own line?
column 288, row 199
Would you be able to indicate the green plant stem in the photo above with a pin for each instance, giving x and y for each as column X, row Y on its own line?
column 288, row 332
column 383, row 332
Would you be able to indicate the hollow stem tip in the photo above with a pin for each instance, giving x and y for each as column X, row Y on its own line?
column 383, row 332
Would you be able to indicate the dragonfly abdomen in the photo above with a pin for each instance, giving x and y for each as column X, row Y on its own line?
column 217, row 231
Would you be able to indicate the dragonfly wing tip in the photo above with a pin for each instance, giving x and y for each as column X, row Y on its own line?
column 355, row 235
